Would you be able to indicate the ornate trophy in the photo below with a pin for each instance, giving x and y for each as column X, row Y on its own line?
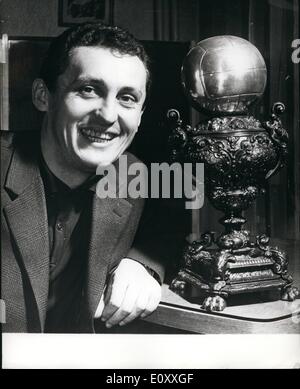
column 222, row 77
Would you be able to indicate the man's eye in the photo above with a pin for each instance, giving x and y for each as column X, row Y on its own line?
column 87, row 91
column 128, row 100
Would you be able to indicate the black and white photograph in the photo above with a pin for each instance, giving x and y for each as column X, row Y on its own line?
column 150, row 185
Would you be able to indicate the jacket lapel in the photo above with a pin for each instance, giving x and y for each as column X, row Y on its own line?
column 108, row 219
column 27, row 219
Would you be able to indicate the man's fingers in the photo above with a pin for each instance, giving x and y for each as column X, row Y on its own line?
column 141, row 305
column 100, row 307
column 137, row 303
column 146, row 304
column 114, row 301
column 152, row 304
column 107, row 294
column 127, row 307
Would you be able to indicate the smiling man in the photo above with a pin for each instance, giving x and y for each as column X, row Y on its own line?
column 68, row 257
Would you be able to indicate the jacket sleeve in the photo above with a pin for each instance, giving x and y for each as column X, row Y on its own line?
column 151, row 243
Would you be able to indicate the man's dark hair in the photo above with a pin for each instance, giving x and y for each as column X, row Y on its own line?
column 89, row 34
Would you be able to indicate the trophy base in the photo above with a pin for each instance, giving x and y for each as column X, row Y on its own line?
column 218, row 274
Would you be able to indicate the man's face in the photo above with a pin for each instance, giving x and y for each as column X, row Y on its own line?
column 96, row 109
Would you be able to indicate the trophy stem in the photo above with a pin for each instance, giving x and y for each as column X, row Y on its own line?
column 234, row 237
column 232, row 222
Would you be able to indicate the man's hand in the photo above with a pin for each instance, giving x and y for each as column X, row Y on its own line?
column 131, row 292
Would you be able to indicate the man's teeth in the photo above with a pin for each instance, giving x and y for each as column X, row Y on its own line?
column 96, row 135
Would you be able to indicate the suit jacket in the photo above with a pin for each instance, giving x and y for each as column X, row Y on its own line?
column 25, row 244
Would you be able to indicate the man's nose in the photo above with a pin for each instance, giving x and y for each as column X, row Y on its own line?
column 107, row 110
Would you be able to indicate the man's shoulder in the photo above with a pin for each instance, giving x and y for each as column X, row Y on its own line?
column 6, row 139
column 24, row 144
column 11, row 140
column 21, row 140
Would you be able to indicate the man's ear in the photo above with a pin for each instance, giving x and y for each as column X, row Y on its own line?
column 40, row 95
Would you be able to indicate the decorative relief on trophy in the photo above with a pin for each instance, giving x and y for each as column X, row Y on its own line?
column 222, row 77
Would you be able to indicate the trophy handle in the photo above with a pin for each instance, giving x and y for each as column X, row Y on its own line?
column 278, row 135
column 178, row 137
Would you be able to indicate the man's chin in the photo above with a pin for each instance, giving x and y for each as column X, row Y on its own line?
column 91, row 165
column 93, row 157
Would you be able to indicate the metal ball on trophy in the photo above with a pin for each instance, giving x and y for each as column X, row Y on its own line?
column 222, row 77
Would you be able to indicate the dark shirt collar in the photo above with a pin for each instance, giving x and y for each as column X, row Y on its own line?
column 55, row 185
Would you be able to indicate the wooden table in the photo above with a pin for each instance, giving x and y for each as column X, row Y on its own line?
column 245, row 314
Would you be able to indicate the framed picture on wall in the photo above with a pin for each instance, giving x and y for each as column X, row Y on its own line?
column 71, row 12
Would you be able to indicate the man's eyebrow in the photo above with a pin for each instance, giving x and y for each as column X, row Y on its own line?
column 89, row 80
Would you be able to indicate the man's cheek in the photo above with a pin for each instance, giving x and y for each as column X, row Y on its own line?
column 131, row 122
column 77, row 108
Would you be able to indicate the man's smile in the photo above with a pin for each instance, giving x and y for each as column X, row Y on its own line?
column 98, row 135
